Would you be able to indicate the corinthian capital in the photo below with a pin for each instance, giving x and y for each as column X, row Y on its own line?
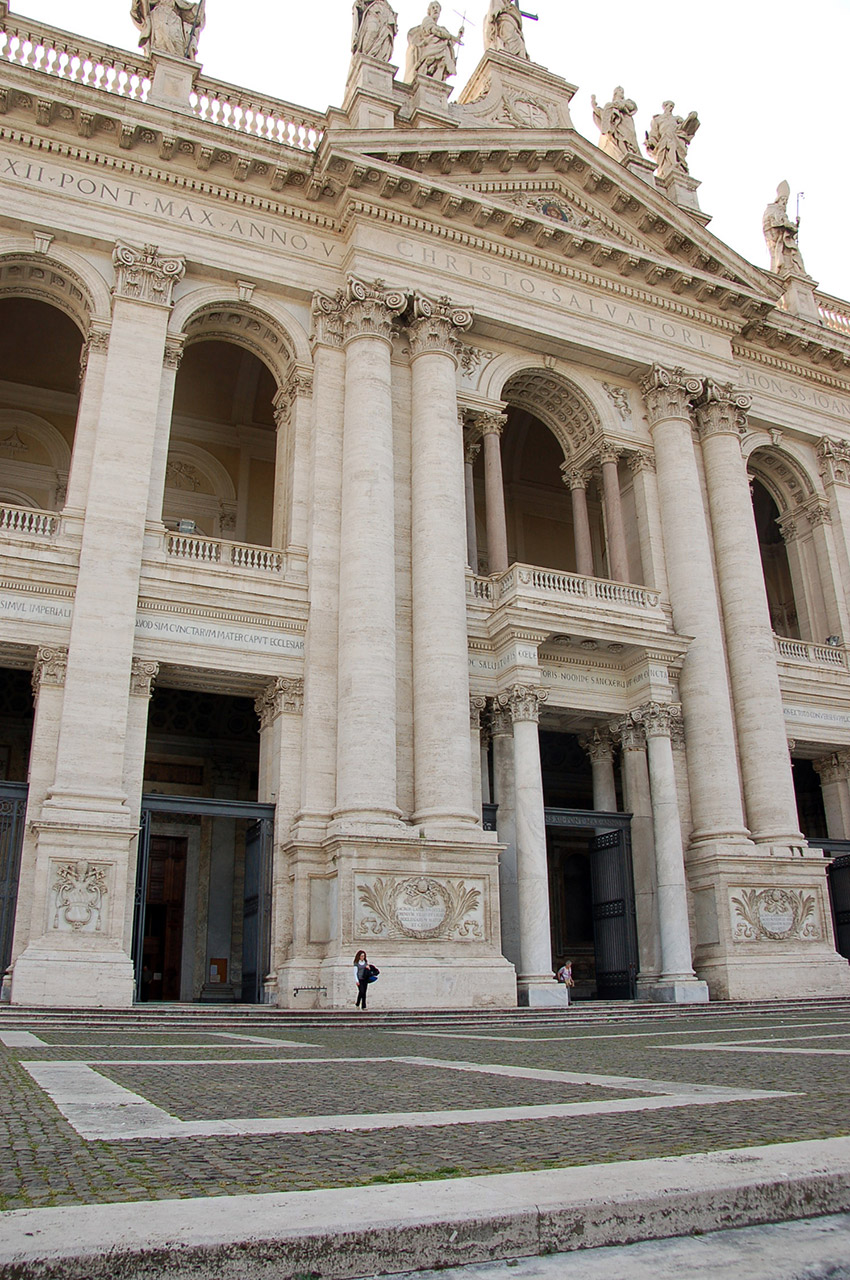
column 50, row 667
column 834, row 459
column 436, row 326
column 285, row 694
column 599, row 745
column 370, row 309
column 523, row 701
column 327, row 320
column 485, row 423
column 668, row 393
column 299, row 385
column 142, row 678
column 145, row 275
column 657, row 718
column 575, row 477
column 721, row 409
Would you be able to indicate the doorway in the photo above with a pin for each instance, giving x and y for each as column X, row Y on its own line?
column 165, row 892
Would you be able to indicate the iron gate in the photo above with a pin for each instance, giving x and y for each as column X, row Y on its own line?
column 838, row 873
column 13, row 809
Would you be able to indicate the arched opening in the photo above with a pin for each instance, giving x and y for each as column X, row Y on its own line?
column 775, row 565
column 40, row 349
column 220, row 476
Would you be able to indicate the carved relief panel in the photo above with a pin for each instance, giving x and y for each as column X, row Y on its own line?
column 78, row 894
column 775, row 915
column 420, row 907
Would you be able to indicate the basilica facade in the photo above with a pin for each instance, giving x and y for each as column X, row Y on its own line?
column 418, row 534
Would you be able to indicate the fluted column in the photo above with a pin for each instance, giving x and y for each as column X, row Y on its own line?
column 578, row 480
column 834, row 773
column 471, row 450
column 535, row 981
column 489, row 427
column 712, row 762
column 599, row 746
column 441, row 763
column 677, row 983
column 618, row 557
column 637, row 800
column 366, row 742
column 765, row 766
column 504, row 786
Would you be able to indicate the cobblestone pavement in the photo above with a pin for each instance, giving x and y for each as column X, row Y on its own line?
column 798, row 1060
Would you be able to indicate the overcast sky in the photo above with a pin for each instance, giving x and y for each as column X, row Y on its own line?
column 765, row 79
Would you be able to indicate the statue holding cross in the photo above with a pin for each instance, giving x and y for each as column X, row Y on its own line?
column 503, row 28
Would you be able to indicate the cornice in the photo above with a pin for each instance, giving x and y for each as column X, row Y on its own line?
column 753, row 355
column 269, row 622
column 797, row 337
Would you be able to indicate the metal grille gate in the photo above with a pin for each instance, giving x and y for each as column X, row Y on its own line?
column 838, row 873
column 13, row 808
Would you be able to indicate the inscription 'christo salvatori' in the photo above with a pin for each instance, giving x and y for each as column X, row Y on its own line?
column 175, row 209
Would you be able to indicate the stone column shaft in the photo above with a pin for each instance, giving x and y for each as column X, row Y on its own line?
column 88, row 413
column 366, row 742
column 600, row 748
column 280, row 709
column 497, row 525
column 712, row 761
column 441, row 761
column 162, row 441
column 504, row 784
column 578, row 481
column 618, row 558
column 470, row 454
column 293, row 416
column 765, row 765
column 642, row 466
column 834, row 773
column 637, row 800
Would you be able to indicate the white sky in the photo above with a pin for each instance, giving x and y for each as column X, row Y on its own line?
column 765, row 78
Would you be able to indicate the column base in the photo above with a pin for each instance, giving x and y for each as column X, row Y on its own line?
column 541, row 992
column 677, row 991
column 62, row 979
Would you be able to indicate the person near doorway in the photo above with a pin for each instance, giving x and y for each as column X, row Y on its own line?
column 362, row 969
column 565, row 975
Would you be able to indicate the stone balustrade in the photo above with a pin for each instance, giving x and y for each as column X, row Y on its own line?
column 834, row 313
column 804, row 651
column 552, row 584
column 260, row 117
column 24, row 520
column 68, row 57
column 216, row 552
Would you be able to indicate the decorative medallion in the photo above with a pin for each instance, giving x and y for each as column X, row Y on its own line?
column 419, row 907
column 774, row 915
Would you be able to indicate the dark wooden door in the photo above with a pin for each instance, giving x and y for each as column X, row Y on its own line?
column 614, row 925
column 839, row 894
column 164, row 908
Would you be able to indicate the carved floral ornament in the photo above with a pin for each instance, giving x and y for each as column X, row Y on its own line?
column 146, row 275
column 599, row 745
column 79, row 889
column 774, row 915
column 834, row 459
column 523, row 701
column 669, row 393
column 721, row 409
column 834, row 767
column 420, row 907
column 436, row 326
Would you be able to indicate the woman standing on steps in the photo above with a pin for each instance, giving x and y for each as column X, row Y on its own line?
column 361, row 977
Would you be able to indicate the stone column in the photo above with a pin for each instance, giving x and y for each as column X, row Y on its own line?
column 819, row 516
column 165, row 410
column 471, row 450
column 143, row 676
column 600, row 748
column 319, row 723
column 504, row 786
column 834, row 459
column 765, row 766
column 477, row 704
column 578, row 480
column 489, row 427
column 293, row 414
column 618, row 557
column 712, row 761
column 834, row 773
column 81, row 953
column 279, row 708
column 811, row 613
column 637, row 800
column 92, row 372
column 222, row 865
column 366, row 740
column 642, row 466
column 441, row 764
column 677, row 984
column 535, row 984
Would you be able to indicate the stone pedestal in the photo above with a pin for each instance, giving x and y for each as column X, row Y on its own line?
column 430, row 104
column 512, row 93
column 369, row 102
column 799, row 296
column 172, row 81
column 682, row 189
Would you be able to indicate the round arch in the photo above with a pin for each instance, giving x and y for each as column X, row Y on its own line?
column 197, row 460
column 268, row 330
column 559, row 403
column 60, row 277
column 784, row 477
column 44, row 433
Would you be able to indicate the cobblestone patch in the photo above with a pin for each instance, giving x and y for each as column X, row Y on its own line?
column 44, row 1162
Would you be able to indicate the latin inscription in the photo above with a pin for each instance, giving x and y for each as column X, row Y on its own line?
column 218, row 635
column 796, row 392
column 38, row 610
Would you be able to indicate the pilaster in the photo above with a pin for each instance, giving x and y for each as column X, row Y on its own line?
column 488, row 426
column 637, row 801
column 293, row 413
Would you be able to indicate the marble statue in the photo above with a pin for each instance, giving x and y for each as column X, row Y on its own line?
column 169, row 26
column 431, row 49
column 781, row 232
column 503, row 28
column 668, row 140
column 615, row 121
column 375, row 29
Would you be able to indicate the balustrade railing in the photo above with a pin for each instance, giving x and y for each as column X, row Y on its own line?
column 550, row 582
column 261, row 117
column 804, row 651
column 68, row 57
column 834, row 313
column 196, row 549
column 40, row 524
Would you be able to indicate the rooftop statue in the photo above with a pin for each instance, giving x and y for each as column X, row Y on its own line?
column 169, row 26
column 781, row 234
column 431, row 49
column 668, row 140
column 375, row 29
column 503, row 28
column 615, row 121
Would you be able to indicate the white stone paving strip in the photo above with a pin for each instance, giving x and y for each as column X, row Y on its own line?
column 100, row 1110
column 755, row 1048
column 265, row 1040
column 21, row 1040
column 576, row 1035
